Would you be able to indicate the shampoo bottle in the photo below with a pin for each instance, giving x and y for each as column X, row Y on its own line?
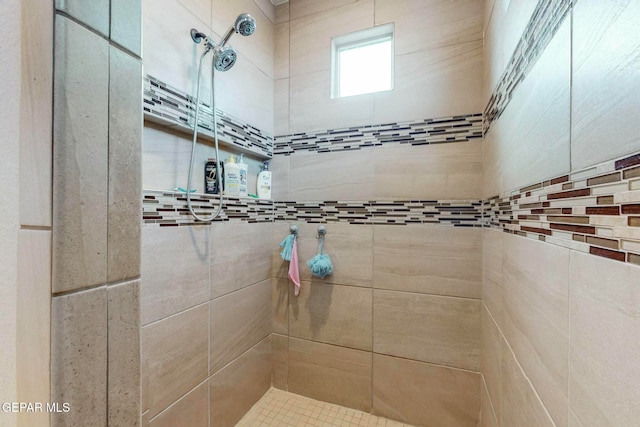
column 231, row 177
column 244, row 168
column 264, row 182
column 212, row 183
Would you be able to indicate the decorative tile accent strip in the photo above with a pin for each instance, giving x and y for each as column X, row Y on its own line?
column 458, row 213
column 596, row 210
column 169, row 208
column 543, row 25
column 167, row 105
column 421, row 132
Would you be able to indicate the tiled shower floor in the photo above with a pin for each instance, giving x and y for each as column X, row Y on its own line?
column 279, row 408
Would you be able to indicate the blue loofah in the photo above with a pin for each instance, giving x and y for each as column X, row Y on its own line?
column 287, row 247
column 320, row 265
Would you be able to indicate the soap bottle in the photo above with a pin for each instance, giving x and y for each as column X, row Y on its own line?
column 211, row 182
column 231, row 177
column 244, row 168
column 264, row 182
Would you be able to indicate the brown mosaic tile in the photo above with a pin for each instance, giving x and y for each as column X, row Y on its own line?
column 567, row 186
column 627, row 162
column 541, row 211
column 634, row 221
column 560, row 179
column 536, row 230
column 631, row 173
column 607, row 243
column 619, row 256
column 569, row 219
column 529, row 217
column 574, row 228
column 567, row 211
column 579, row 237
column 605, row 200
column 531, row 205
column 542, row 238
column 630, row 209
column 604, row 179
column 604, row 210
column 531, row 187
column 569, row 194
column 633, row 258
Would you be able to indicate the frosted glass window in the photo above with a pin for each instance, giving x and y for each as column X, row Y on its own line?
column 362, row 62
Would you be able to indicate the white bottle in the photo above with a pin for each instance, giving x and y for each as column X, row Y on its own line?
column 231, row 177
column 244, row 168
column 264, row 182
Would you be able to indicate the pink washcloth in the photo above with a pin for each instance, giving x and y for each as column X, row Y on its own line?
column 294, row 272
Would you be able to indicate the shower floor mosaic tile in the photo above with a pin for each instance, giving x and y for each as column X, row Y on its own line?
column 279, row 408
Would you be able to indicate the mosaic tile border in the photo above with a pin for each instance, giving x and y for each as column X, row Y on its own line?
column 457, row 213
column 168, row 105
column 596, row 210
column 169, row 209
column 421, row 132
column 543, row 25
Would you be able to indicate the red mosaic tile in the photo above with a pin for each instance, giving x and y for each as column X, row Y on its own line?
column 607, row 253
column 569, row 194
column 560, row 179
column 574, row 228
column 630, row 209
column 604, row 210
column 536, row 230
column 627, row 162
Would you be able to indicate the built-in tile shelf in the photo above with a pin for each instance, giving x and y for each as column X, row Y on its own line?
column 170, row 107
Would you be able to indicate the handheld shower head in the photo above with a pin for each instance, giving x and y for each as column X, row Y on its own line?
column 224, row 58
column 244, row 25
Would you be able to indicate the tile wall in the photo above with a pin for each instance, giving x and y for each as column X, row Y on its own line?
column 95, row 264
column 560, row 170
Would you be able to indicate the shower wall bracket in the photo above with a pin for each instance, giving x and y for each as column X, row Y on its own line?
column 172, row 108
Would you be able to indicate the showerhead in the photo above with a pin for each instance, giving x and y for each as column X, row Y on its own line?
column 245, row 25
column 224, row 57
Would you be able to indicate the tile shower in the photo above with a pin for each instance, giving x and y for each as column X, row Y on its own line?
column 490, row 280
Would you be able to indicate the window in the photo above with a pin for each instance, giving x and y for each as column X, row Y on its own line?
column 362, row 62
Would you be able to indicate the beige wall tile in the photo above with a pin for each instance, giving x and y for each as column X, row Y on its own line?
column 280, row 305
column 79, row 357
column 282, row 13
column 280, row 361
column 239, row 240
column 492, row 253
column 80, row 141
column 428, row 259
column 440, row 171
column 606, row 83
column 311, row 34
column 534, row 130
column 521, row 405
column 435, row 329
column 174, row 354
column 200, row 9
column 440, row 23
column 281, row 114
column 333, row 314
column 33, row 324
column 424, row 394
column 35, row 112
column 239, row 320
column 301, row 8
column 488, row 416
column 192, row 410
column 311, row 107
column 536, row 317
column 237, row 387
column 281, row 61
column 605, row 339
column 279, row 167
column 348, row 246
column 125, row 165
column 126, row 23
column 172, row 280
column 95, row 14
column 331, row 176
column 124, row 354
column 439, row 82
column 494, row 58
column 268, row 8
column 491, row 360
column 330, row 373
